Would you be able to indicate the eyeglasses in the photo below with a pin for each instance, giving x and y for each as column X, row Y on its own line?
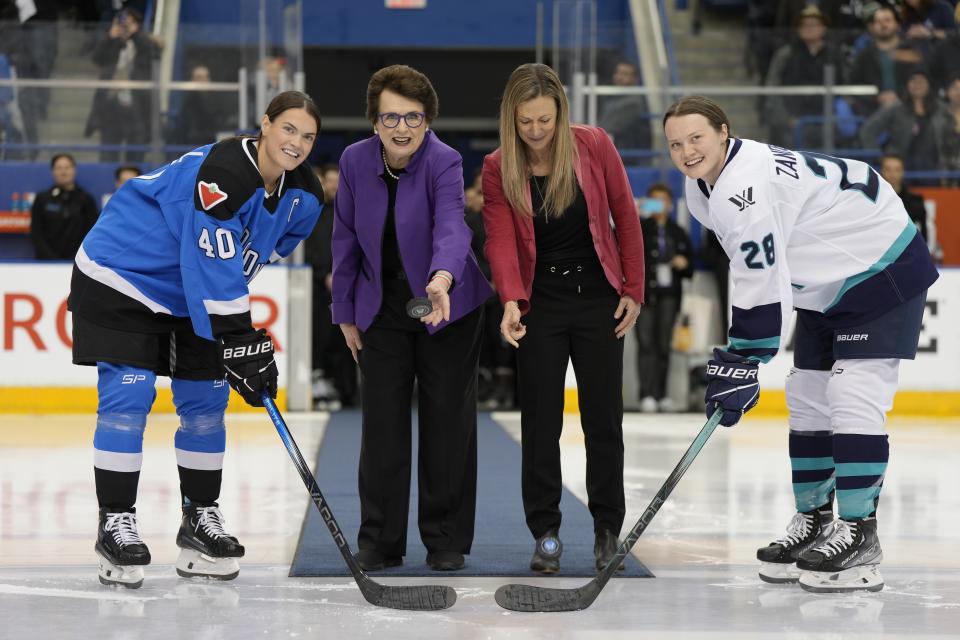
column 392, row 120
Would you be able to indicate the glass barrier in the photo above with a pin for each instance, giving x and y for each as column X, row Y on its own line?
column 837, row 100
column 115, row 92
column 76, row 89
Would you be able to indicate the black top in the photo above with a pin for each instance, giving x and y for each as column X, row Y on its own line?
column 565, row 239
column 389, row 248
column 661, row 244
column 396, row 289
column 59, row 220
column 913, row 203
column 474, row 220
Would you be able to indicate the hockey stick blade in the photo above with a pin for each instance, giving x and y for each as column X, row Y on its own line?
column 408, row 598
column 431, row 597
column 528, row 598
column 522, row 597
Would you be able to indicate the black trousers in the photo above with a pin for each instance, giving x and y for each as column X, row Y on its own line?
column 396, row 351
column 571, row 318
column 330, row 351
column 654, row 337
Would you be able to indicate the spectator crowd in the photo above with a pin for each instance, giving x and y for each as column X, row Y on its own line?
column 909, row 50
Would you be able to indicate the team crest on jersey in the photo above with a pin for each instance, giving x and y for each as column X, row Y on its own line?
column 743, row 200
column 210, row 194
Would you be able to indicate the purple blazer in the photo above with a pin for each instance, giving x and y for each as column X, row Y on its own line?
column 431, row 231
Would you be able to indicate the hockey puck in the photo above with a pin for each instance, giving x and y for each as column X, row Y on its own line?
column 419, row 307
column 550, row 547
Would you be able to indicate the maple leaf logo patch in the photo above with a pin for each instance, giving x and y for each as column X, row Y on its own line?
column 210, row 194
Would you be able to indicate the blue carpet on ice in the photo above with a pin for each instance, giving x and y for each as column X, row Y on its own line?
column 502, row 544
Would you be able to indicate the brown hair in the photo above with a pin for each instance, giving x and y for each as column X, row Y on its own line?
column 405, row 81
column 883, row 7
column 892, row 156
column 291, row 100
column 527, row 82
column 699, row 105
column 57, row 156
column 126, row 167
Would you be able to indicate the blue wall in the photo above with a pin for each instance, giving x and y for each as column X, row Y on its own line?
column 367, row 23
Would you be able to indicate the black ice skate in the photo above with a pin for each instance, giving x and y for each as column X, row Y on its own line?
column 807, row 529
column 848, row 561
column 121, row 552
column 206, row 550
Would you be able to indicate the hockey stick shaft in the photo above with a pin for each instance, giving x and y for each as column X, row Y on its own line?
column 312, row 487
column 665, row 490
column 519, row 597
column 408, row 597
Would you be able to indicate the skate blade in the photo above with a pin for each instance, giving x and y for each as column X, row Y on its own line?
column 862, row 578
column 776, row 573
column 111, row 575
column 193, row 564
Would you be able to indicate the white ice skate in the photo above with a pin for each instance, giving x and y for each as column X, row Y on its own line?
column 122, row 554
column 848, row 561
column 863, row 578
column 206, row 550
column 129, row 576
column 194, row 564
column 778, row 560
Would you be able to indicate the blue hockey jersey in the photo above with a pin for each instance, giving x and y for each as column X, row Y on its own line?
column 180, row 245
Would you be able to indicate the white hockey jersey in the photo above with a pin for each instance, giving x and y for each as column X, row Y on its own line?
column 810, row 231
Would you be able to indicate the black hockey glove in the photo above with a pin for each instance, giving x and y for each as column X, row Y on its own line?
column 732, row 385
column 249, row 364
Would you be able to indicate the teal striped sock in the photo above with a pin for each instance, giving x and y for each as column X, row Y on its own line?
column 811, row 459
column 861, row 464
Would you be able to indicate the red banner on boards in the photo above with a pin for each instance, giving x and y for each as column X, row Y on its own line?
column 14, row 221
column 947, row 202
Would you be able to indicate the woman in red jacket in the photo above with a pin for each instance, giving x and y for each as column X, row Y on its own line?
column 571, row 284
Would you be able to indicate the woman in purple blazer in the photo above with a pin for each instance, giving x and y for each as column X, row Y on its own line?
column 399, row 233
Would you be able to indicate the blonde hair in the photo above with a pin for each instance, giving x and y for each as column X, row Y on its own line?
column 527, row 82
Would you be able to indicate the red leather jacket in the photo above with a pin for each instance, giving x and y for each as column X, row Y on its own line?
column 512, row 249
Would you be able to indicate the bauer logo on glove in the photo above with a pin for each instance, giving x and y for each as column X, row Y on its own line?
column 734, row 373
column 249, row 365
column 732, row 385
column 230, row 353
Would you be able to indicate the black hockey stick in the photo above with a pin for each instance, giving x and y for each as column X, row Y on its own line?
column 414, row 598
column 522, row 597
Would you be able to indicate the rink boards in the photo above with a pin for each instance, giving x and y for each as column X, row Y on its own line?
column 36, row 374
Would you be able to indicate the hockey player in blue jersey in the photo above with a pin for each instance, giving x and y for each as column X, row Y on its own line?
column 159, row 287
column 830, row 238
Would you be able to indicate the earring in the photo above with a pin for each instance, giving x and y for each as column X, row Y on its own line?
column 375, row 131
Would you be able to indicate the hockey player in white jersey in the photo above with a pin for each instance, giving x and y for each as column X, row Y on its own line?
column 830, row 238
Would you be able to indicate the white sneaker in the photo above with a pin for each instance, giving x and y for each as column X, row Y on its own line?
column 648, row 405
column 665, row 405
column 322, row 388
